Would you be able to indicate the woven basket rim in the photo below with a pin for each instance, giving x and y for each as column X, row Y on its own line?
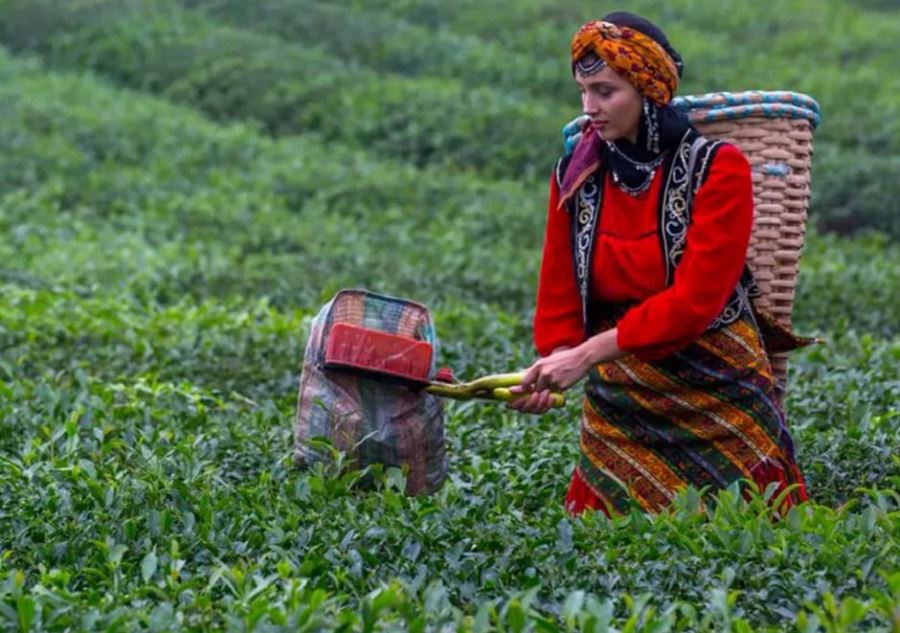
column 762, row 103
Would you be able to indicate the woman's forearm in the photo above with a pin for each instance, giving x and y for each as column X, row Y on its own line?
column 601, row 348
column 564, row 367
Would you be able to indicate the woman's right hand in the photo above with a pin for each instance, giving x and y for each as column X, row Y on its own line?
column 536, row 402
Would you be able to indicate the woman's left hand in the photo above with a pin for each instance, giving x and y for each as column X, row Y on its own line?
column 557, row 372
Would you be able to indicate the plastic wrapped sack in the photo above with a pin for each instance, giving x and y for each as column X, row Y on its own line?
column 371, row 421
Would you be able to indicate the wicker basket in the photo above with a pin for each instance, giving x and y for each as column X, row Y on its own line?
column 775, row 132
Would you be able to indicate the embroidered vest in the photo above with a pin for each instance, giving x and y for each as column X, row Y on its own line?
column 685, row 171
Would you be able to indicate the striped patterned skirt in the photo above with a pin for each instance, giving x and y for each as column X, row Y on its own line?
column 704, row 417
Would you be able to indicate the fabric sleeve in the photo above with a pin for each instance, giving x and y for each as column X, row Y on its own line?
column 557, row 316
column 714, row 256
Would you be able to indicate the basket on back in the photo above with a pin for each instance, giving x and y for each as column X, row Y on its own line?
column 775, row 132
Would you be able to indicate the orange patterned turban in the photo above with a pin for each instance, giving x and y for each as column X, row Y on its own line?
column 638, row 58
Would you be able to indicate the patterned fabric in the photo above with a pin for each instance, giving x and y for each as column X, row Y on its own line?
column 373, row 422
column 581, row 192
column 572, row 170
column 704, row 417
column 635, row 56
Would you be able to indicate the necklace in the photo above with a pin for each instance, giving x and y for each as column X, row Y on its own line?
column 649, row 166
column 634, row 191
column 645, row 170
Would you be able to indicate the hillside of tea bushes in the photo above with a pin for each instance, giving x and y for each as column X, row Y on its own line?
column 183, row 185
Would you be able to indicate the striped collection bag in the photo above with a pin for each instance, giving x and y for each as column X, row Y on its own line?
column 371, row 421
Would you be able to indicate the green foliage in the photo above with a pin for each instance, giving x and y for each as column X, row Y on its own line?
column 849, row 286
column 290, row 89
column 863, row 193
column 391, row 44
column 838, row 53
column 183, row 206
column 160, row 270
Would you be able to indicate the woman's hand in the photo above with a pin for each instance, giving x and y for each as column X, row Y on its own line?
column 562, row 369
column 536, row 402
column 558, row 371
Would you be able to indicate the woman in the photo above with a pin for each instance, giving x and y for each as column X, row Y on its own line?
column 644, row 289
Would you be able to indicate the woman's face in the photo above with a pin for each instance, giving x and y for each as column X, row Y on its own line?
column 613, row 104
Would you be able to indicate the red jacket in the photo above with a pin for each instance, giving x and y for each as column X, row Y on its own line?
column 628, row 263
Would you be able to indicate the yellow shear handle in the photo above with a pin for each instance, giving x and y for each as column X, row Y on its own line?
column 557, row 399
column 494, row 387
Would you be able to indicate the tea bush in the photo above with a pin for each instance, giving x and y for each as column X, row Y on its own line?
column 839, row 53
column 290, row 89
column 391, row 44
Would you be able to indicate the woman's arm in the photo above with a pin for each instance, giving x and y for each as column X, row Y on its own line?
column 557, row 315
column 562, row 369
column 714, row 256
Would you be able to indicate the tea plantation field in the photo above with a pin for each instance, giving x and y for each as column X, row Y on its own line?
column 184, row 184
